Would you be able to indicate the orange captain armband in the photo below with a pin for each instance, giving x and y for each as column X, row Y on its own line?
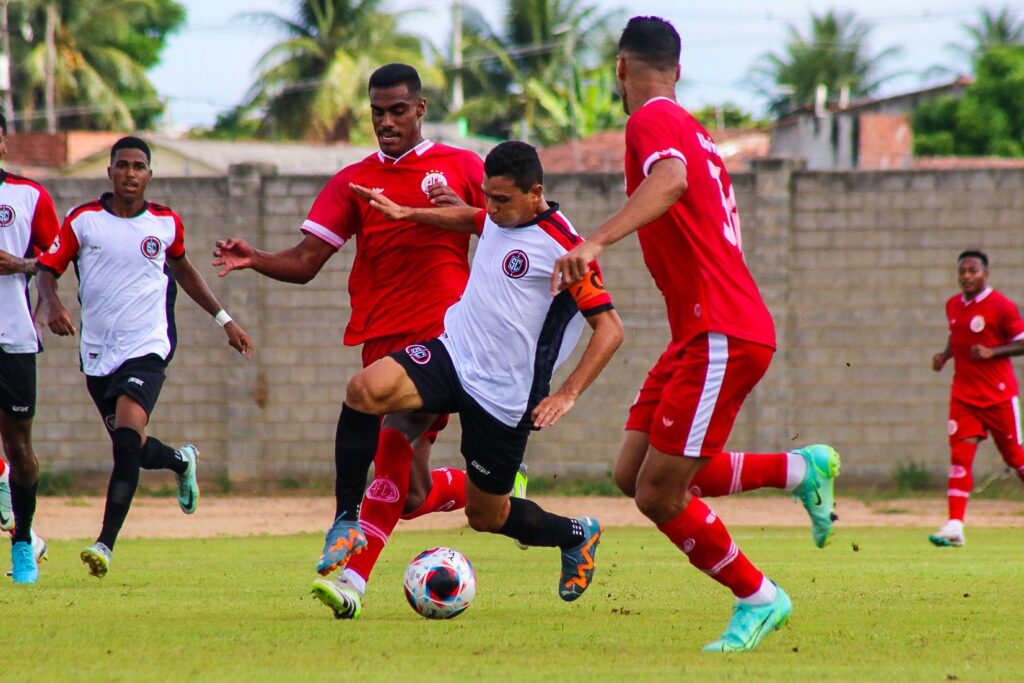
column 590, row 294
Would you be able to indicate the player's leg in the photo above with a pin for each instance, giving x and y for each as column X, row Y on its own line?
column 433, row 490
column 1004, row 421
column 966, row 430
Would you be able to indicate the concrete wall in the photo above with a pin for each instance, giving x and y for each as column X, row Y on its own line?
column 855, row 267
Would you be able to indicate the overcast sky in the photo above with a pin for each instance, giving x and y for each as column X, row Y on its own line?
column 208, row 66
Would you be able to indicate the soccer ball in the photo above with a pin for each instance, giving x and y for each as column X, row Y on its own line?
column 440, row 583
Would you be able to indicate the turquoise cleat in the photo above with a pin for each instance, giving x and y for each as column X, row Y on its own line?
column 24, row 568
column 344, row 539
column 188, row 485
column 578, row 562
column 817, row 491
column 751, row 623
column 97, row 557
column 340, row 595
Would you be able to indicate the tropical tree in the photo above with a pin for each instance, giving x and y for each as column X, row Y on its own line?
column 83, row 63
column 834, row 54
column 994, row 28
column 312, row 84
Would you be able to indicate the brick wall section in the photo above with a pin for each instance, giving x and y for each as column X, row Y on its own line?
column 855, row 267
column 885, row 142
column 37, row 149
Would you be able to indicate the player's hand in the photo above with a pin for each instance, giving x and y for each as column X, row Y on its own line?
column 551, row 409
column 572, row 267
column 10, row 264
column 232, row 254
column 938, row 361
column 58, row 319
column 379, row 202
column 238, row 339
column 443, row 195
column 982, row 352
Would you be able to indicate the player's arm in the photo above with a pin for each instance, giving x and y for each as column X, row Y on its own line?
column 1014, row 348
column 454, row 218
column 665, row 184
column 189, row 279
column 298, row 264
column 11, row 264
column 940, row 359
column 45, row 228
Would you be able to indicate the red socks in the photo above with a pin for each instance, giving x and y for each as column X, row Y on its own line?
column 447, row 493
column 960, row 480
column 729, row 473
column 699, row 533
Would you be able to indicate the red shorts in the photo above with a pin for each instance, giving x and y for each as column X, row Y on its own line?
column 1001, row 419
column 691, row 397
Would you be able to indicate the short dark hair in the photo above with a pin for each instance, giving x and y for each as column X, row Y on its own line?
column 392, row 75
column 3, row 124
column 515, row 160
column 131, row 142
column 653, row 41
column 973, row 253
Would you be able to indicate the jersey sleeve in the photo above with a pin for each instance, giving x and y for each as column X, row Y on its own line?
column 62, row 251
column 478, row 222
column 652, row 138
column 475, row 181
column 334, row 216
column 1013, row 326
column 590, row 294
column 177, row 248
column 45, row 226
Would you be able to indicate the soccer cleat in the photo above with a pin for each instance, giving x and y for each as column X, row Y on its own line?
column 6, row 509
column 38, row 548
column 340, row 595
column 344, row 539
column 751, row 623
column 578, row 562
column 24, row 568
column 817, row 491
column 519, row 491
column 98, row 557
column 188, row 485
column 949, row 536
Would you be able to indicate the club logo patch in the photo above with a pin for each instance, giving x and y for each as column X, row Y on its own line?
column 419, row 353
column 6, row 215
column 382, row 490
column 952, row 427
column 977, row 324
column 150, row 247
column 687, row 545
column 516, row 264
column 431, row 179
column 957, row 471
column 111, row 422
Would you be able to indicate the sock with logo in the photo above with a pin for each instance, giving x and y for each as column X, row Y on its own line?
column 384, row 499
column 23, row 502
column 124, row 479
column 159, row 456
column 530, row 524
column 729, row 473
column 355, row 443
column 447, row 493
column 961, row 481
column 699, row 533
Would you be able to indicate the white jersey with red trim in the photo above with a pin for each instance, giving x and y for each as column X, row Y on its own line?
column 28, row 226
column 508, row 333
column 126, row 289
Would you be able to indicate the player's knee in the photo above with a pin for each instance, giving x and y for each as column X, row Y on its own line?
column 361, row 395
column 626, row 482
column 656, row 505
column 482, row 520
column 22, row 459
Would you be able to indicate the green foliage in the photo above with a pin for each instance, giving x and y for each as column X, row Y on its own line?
column 562, row 486
column 911, row 476
column 987, row 121
column 726, row 115
column 55, row 483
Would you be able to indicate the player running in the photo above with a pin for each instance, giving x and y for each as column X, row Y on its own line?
column 494, row 362
column 985, row 329
column 404, row 277
column 128, row 254
column 682, row 205
column 28, row 226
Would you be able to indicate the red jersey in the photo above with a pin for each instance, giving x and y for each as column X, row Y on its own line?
column 405, row 275
column 694, row 250
column 989, row 319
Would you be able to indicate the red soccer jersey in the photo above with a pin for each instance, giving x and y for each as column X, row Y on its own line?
column 694, row 250
column 989, row 319
column 405, row 275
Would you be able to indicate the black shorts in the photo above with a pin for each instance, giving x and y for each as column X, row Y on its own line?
column 140, row 378
column 18, row 384
column 493, row 451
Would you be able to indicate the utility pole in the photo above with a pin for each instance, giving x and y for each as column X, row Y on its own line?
column 457, row 95
column 5, row 66
column 51, row 67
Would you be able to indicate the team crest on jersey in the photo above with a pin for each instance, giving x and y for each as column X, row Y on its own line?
column 431, row 179
column 977, row 324
column 419, row 353
column 150, row 247
column 516, row 264
column 6, row 215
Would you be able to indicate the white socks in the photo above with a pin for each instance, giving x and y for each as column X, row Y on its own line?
column 796, row 470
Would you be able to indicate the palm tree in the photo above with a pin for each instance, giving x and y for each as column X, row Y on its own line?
column 90, row 68
column 834, row 54
column 312, row 85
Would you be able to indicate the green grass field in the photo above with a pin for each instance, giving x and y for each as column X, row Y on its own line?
column 238, row 609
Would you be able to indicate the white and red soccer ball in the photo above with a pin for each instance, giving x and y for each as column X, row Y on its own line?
column 440, row 583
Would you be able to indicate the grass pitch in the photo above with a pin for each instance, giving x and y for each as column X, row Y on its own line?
column 894, row 609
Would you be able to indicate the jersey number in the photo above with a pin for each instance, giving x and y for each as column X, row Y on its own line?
column 731, row 225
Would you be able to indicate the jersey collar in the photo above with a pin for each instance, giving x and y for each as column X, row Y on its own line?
column 659, row 97
column 981, row 295
column 419, row 149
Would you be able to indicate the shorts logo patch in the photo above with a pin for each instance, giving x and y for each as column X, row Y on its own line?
column 977, row 324
column 516, row 264
column 951, row 427
column 479, row 468
column 7, row 216
column 135, row 380
column 431, row 179
column 150, row 247
column 957, row 471
column 419, row 353
column 111, row 422
column 382, row 490
column 667, row 422
column 19, row 409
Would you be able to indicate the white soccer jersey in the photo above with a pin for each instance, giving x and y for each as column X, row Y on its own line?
column 28, row 226
column 508, row 334
column 126, row 290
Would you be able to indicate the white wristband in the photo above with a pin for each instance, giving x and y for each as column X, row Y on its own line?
column 222, row 317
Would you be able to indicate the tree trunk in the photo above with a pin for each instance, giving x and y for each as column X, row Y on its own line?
column 51, row 67
column 5, row 78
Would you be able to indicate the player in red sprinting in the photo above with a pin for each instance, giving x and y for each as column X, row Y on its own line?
column 404, row 277
column 681, row 204
column 985, row 329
